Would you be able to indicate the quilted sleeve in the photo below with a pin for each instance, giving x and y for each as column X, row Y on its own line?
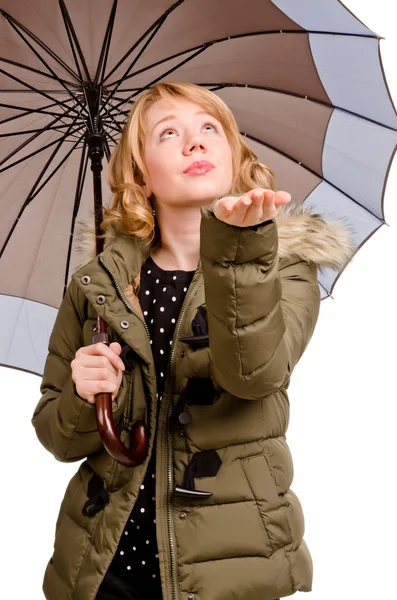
column 261, row 314
column 65, row 423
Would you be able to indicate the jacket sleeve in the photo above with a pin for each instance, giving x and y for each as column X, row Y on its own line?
column 261, row 316
column 65, row 423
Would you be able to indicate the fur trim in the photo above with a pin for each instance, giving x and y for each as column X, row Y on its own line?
column 310, row 236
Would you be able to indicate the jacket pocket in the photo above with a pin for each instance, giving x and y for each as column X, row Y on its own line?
column 271, row 506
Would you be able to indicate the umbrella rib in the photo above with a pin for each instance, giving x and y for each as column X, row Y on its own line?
column 117, row 126
column 234, row 37
column 146, row 44
column 110, row 135
column 73, row 38
column 32, row 196
column 26, row 131
column 22, row 66
column 16, row 91
column 164, row 60
column 36, row 151
column 344, row 193
column 28, row 111
column 40, row 92
column 103, row 59
column 55, row 76
column 40, row 43
column 160, row 20
column 76, row 206
column 25, row 204
column 107, row 149
column 26, row 142
column 112, row 126
column 219, row 86
column 201, row 49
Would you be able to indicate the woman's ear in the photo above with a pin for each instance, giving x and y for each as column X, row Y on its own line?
column 147, row 190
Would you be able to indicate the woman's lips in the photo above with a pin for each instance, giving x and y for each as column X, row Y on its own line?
column 199, row 168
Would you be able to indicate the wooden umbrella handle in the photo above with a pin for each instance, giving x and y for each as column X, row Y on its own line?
column 103, row 401
column 107, row 430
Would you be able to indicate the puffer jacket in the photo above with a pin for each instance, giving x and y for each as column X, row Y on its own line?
column 247, row 318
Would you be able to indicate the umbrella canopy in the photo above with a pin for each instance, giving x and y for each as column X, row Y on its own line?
column 304, row 79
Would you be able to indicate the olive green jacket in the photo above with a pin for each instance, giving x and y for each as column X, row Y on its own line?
column 260, row 291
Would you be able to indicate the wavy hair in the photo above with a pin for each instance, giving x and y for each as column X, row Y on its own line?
column 130, row 211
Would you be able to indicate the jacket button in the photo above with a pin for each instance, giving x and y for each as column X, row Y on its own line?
column 182, row 515
column 182, row 354
column 190, row 597
column 101, row 299
column 124, row 324
column 85, row 280
column 185, row 417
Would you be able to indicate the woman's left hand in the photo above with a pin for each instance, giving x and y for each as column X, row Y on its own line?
column 251, row 208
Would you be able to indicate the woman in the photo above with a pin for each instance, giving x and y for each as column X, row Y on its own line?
column 208, row 284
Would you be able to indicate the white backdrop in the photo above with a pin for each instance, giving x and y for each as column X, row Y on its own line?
column 341, row 432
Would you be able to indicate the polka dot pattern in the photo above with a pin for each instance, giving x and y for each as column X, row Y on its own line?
column 134, row 571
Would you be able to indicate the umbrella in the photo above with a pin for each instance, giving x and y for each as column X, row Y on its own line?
column 304, row 79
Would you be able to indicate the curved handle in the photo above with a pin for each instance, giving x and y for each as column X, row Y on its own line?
column 107, row 430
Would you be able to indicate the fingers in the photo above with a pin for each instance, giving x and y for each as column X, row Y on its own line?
column 88, row 389
column 98, row 362
column 261, row 194
column 101, row 349
column 97, row 368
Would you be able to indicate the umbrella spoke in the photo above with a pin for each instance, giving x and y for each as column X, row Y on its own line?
column 54, row 75
column 107, row 150
column 234, row 37
column 199, row 51
column 26, row 142
column 40, row 130
column 27, row 202
column 107, row 124
column 41, row 92
column 74, row 42
column 35, row 152
column 160, row 62
column 33, row 193
column 146, row 44
column 103, row 59
column 110, row 135
column 220, row 86
column 117, row 126
column 12, row 21
column 335, row 187
column 160, row 21
column 76, row 207
column 28, row 111
column 42, row 73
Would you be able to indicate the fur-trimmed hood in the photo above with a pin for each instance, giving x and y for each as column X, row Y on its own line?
column 312, row 237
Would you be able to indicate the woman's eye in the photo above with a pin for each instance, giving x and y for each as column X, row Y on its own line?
column 168, row 130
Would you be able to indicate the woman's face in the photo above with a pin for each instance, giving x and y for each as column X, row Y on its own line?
column 178, row 135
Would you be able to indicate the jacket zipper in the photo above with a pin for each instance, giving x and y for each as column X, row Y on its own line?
column 124, row 300
column 168, row 409
column 175, row 594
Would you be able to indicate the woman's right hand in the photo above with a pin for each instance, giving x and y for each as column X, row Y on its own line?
column 96, row 369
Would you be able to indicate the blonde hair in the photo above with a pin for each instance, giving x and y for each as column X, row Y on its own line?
column 130, row 211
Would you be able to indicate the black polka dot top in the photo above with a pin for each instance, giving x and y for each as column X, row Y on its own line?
column 134, row 570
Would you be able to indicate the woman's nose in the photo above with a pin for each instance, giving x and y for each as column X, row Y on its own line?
column 195, row 142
